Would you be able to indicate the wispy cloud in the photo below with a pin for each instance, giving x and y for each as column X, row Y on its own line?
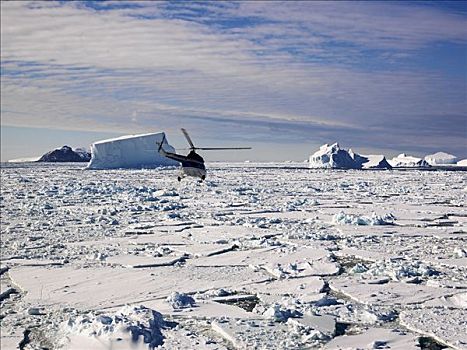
column 129, row 66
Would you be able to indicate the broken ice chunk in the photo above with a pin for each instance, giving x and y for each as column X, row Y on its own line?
column 349, row 219
column 279, row 314
column 180, row 300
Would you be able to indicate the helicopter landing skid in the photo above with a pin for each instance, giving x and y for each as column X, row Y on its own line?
column 194, row 172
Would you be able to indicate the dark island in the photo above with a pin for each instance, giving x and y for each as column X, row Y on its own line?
column 66, row 154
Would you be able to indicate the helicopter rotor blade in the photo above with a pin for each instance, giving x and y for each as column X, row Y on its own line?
column 188, row 138
column 220, row 148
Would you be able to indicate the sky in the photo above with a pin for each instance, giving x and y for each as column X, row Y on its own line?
column 282, row 77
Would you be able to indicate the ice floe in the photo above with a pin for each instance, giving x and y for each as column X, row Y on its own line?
column 445, row 325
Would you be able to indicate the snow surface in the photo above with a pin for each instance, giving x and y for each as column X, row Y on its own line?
column 271, row 256
column 130, row 151
column 405, row 161
column 441, row 158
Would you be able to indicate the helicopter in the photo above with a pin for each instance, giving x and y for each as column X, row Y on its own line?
column 192, row 164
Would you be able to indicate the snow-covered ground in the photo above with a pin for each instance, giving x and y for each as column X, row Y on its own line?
column 257, row 257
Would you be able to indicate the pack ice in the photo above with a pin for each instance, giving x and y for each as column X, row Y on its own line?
column 259, row 256
column 130, row 151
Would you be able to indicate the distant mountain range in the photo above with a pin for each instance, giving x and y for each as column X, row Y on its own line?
column 66, row 154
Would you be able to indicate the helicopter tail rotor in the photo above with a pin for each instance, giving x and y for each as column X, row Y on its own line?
column 161, row 143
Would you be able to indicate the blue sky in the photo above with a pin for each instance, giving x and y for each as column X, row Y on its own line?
column 283, row 77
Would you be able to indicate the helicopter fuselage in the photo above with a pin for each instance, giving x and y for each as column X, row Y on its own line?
column 191, row 165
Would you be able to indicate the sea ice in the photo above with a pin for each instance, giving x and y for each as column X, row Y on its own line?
column 375, row 338
column 399, row 269
column 279, row 314
column 350, row 219
column 252, row 237
column 180, row 300
column 130, row 327
column 448, row 326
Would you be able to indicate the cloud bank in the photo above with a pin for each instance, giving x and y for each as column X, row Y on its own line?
column 314, row 71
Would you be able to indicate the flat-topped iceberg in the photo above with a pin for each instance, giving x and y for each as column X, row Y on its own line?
column 405, row 161
column 441, row 158
column 130, row 151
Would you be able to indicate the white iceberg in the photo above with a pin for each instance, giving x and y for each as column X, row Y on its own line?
column 405, row 161
column 24, row 160
column 337, row 158
column 376, row 161
column 130, row 151
column 371, row 161
column 441, row 158
column 332, row 156
column 462, row 162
